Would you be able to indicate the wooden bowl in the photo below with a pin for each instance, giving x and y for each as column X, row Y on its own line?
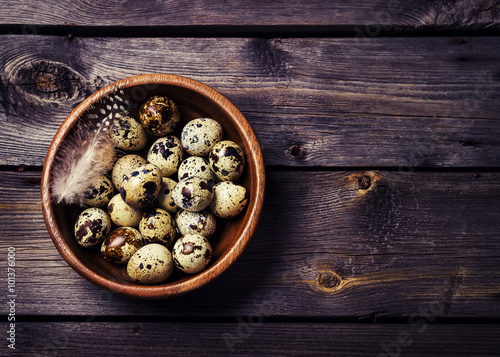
column 194, row 100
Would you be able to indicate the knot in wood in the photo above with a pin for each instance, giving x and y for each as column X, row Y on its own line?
column 296, row 152
column 328, row 280
column 269, row 57
column 364, row 182
column 48, row 81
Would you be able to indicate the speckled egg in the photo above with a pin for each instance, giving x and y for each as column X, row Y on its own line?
column 92, row 226
column 122, row 214
column 194, row 166
column 107, row 154
column 99, row 192
column 124, row 166
column 141, row 186
column 159, row 115
column 193, row 194
column 200, row 135
column 191, row 253
column 167, row 154
column 157, row 226
column 229, row 199
column 226, row 160
column 121, row 244
column 151, row 264
column 127, row 134
column 164, row 199
column 202, row 223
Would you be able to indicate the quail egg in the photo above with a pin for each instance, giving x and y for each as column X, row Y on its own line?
column 164, row 199
column 141, row 186
column 193, row 194
column 99, row 192
column 107, row 153
column 121, row 244
column 151, row 264
column 122, row 214
column 125, row 165
column 202, row 223
column 92, row 226
column 229, row 199
column 159, row 115
column 167, row 154
column 157, row 226
column 194, row 166
column 200, row 135
column 226, row 160
column 127, row 134
column 192, row 253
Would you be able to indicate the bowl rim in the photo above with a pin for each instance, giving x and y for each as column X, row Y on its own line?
column 229, row 256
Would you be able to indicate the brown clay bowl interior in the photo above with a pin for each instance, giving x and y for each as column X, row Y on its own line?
column 232, row 235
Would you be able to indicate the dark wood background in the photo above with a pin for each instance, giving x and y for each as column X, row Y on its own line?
column 379, row 123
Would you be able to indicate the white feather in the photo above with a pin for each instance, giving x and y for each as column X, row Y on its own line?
column 81, row 160
column 89, row 153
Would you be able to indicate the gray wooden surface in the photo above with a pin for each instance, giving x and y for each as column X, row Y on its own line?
column 252, row 337
column 380, row 230
column 375, row 15
column 412, row 102
column 325, row 246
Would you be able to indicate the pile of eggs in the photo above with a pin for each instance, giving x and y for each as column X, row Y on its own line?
column 169, row 198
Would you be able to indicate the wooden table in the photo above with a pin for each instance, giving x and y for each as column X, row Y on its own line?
column 379, row 123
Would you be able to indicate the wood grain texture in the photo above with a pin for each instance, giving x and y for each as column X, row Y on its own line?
column 369, row 16
column 328, row 244
column 399, row 102
column 257, row 338
column 326, row 88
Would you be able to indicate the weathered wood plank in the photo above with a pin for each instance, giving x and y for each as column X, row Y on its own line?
column 370, row 17
column 328, row 244
column 400, row 102
column 257, row 338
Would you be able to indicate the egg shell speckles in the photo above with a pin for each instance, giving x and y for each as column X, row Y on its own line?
column 164, row 199
column 159, row 115
column 229, row 199
column 194, row 166
column 124, row 166
column 226, row 160
column 202, row 223
column 91, row 227
column 108, row 153
column 192, row 253
column 151, row 264
column 121, row 244
column 99, row 193
column 200, row 135
column 141, row 186
column 127, row 134
column 193, row 194
column 122, row 214
column 157, row 226
column 167, row 154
